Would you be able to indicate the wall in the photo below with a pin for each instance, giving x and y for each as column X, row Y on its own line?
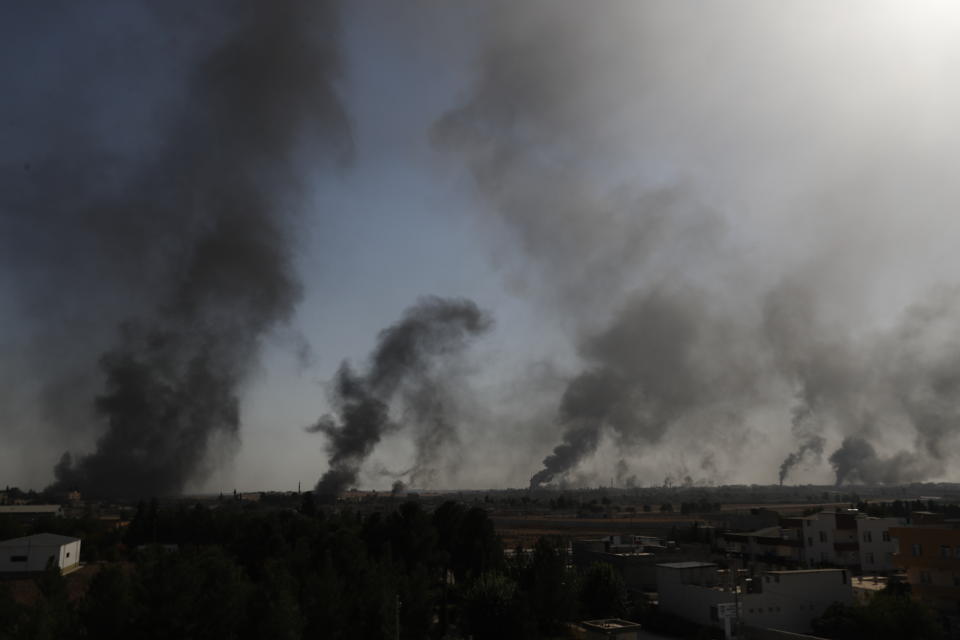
column 934, row 572
column 791, row 599
column 38, row 555
column 680, row 595
column 876, row 554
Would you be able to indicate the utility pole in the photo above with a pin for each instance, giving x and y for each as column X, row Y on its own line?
column 397, row 621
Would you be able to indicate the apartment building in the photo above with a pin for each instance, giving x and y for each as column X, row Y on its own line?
column 930, row 555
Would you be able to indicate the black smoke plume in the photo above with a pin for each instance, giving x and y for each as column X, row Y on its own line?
column 205, row 224
column 402, row 366
column 662, row 359
column 812, row 448
column 685, row 338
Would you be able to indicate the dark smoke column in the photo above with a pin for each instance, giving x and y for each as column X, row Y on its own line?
column 401, row 363
column 215, row 205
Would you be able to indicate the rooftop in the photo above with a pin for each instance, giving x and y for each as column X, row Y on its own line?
column 610, row 624
column 687, row 565
column 39, row 539
column 29, row 508
column 795, row 571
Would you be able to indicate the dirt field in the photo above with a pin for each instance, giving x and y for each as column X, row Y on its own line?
column 526, row 529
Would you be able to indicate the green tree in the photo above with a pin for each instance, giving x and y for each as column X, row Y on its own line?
column 490, row 608
column 603, row 593
column 192, row 595
column 549, row 586
column 274, row 606
column 108, row 610
column 885, row 617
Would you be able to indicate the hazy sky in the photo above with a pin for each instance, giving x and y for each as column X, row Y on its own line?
column 708, row 235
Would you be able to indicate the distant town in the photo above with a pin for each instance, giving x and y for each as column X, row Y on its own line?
column 682, row 562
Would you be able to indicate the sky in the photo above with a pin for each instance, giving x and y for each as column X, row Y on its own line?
column 716, row 244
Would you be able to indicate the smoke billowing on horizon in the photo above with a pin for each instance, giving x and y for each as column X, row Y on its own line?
column 718, row 243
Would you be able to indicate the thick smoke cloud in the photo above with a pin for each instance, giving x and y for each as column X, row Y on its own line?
column 719, row 252
column 404, row 366
column 192, row 244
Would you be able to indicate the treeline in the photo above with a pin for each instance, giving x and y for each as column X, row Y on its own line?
column 237, row 573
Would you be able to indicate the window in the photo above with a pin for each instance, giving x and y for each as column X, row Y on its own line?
column 886, row 536
column 18, row 558
column 823, row 536
column 916, row 549
column 869, row 557
column 823, row 556
column 68, row 554
column 925, row 577
column 956, row 552
column 944, row 551
column 867, row 536
column 956, row 580
column 809, row 541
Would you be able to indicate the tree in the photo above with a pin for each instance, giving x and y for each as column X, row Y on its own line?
column 884, row 617
column 109, row 609
column 490, row 608
column 549, row 586
column 274, row 608
column 603, row 593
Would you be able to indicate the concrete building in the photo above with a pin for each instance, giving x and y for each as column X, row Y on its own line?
column 930, row 555
column 30, row 512
column 783, row 600
column 830, row 539
column 877, row 546
column 790, row 600
column 33, row 553
column 634, row 557
column 772, row 545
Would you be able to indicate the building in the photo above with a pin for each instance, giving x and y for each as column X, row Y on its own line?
column 782, row 600
column 830, row 539
column 634, row 557
column 34, row 553
column 790, row 600
column 30, row 512
column 772, row 545
column 693, row 590
column 877, row 546
column 930, row 555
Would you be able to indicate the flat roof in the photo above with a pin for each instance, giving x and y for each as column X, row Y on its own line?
column 687, row 565
column 611, row 624
column 29, row 508
column 39, row 539
column 780, row 573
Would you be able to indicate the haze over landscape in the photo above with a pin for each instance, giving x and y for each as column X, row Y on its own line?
column 478, row 244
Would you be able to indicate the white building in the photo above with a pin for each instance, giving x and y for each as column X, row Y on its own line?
column 692, row 590
column 876, row 545
column 784, row 600
column 789, row 600
column 33, row 553
column 830, row 538
column 30, row 511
